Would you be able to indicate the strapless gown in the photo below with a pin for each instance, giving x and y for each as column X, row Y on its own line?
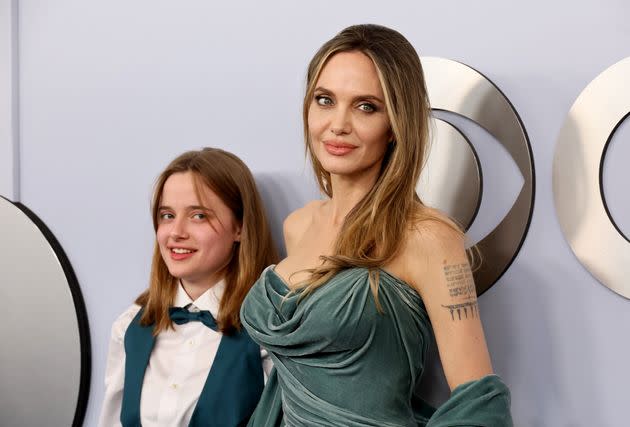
column 338, row 361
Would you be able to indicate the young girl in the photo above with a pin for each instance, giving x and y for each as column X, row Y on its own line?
column 178, row 356
column 371, row 274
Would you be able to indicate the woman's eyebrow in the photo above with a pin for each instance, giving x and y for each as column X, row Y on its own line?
column 321, row 89
column 366, row 97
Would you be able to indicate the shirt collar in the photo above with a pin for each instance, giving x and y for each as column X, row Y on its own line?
column 210, row 300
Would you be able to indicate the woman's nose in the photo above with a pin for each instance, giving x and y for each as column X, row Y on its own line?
column 340, row 122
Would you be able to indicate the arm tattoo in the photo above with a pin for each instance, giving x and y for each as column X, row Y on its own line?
column 461, row 289
column 466, row 307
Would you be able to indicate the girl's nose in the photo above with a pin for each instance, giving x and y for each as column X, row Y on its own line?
column 178, row 231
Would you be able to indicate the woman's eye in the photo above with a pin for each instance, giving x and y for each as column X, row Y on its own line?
column 323, row 100
column 164, row 216
column 200, row 216
column 367, row 107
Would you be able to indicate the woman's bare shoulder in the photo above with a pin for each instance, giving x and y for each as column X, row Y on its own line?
column 430, row 237
column 431, row 227
column 297, row 222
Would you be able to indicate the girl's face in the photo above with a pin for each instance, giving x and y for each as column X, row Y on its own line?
column 196, row 237
column 347, row 120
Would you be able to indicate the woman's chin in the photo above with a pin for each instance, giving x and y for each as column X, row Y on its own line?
column 339, row 166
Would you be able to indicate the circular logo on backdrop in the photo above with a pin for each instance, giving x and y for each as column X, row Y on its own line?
column 45, row 337
column 453, row 167
column 577, row 178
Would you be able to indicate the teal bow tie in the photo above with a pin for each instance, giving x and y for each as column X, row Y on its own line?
column 181, row 315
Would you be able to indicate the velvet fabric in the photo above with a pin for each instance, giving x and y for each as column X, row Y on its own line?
column 339, row 361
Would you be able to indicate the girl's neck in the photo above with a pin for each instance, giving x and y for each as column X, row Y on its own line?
column 195, row 289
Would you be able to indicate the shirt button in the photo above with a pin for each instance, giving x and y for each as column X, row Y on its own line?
column 174, row 386
column 191, row 343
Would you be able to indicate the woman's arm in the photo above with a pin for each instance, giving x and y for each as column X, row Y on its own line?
column 438, row 268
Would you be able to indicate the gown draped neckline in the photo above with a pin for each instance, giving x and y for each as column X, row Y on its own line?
column 338, row 360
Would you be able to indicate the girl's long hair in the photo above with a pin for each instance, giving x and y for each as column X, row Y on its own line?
column 230, row 179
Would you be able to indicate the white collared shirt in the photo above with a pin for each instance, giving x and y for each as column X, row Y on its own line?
column 178, row 367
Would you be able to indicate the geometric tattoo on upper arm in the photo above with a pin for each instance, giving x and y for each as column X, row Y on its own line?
column 461, row 289
column 465, row 307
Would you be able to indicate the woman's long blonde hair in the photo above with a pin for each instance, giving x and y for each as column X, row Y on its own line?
column 230, row 179
column 374, row 229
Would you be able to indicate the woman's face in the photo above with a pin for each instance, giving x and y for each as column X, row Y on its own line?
column 347, row 121
column 196, row 237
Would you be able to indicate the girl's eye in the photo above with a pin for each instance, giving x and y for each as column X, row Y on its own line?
column 200, row 216
column 165, row 215
column 323, row 100
column 367, row 107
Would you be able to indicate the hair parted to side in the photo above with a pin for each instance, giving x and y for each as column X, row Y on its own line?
column 373, row 230
column 230, row 179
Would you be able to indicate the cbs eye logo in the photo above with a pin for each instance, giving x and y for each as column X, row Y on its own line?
column 577, row 178
column 455, row 176
column 56, row 341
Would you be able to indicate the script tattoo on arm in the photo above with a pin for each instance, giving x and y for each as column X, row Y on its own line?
column 461, row 289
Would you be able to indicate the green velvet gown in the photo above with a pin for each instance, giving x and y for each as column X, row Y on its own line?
column 338, row 361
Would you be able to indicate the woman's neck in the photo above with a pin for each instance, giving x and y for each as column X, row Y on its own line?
column 348, row 190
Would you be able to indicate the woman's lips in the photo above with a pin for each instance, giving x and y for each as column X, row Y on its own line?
column 338, row 148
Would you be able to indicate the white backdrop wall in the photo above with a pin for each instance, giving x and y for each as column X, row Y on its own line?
column 111, row 91
column 9, row 158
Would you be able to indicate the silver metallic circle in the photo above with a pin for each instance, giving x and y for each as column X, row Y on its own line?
column 455, row 87
column 577, row 167
column 45, row 351
column 451, row 179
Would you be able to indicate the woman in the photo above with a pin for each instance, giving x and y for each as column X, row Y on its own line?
column 347, row 315
column 179, row 356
